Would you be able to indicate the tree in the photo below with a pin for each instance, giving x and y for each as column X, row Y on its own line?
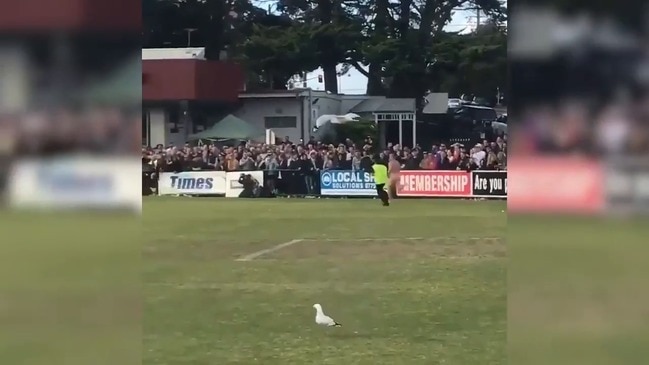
column 217, row 25
column 277, row 50
column 403, row 43
column 412, row 31
column 333, row 28
column 473, row 63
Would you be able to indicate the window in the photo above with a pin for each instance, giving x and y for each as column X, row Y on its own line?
column 280, row 122
column 145, row 127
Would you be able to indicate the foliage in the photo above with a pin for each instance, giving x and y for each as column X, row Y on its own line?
column 357, row 132
column 401, row 46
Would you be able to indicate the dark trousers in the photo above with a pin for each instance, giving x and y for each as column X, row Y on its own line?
column 382, row 194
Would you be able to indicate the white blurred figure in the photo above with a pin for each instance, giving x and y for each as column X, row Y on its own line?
column 612, row 130
column 336, row 119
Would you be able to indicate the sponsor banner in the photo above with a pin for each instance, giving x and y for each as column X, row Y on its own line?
column 347, row 183
column 555, row 185
column 433, row 183
column 490, row 184
column 76, row 183
column 232, row 186
column 627, row 185
column 192, row 183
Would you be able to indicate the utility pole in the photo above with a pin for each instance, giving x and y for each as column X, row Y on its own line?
column 189, row 36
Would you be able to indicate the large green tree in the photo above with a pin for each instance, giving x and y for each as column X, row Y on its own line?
column 474, row 63
column 392, row 43
column 217, row 25
column 333, row 28
column 404, row 39
column 401, row 46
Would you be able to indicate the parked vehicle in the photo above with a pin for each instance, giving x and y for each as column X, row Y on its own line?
column 454, row 103
column 473, row 114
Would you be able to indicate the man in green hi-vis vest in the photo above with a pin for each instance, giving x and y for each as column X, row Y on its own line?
column 380, row 172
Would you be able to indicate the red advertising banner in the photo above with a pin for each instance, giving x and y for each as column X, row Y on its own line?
column 435, row 183
column 555, row 185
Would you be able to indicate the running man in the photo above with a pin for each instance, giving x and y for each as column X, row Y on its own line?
column 380, row 172
column 394, row 170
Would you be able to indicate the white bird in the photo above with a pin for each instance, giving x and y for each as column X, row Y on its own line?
column 323, row 319
column 336, row 119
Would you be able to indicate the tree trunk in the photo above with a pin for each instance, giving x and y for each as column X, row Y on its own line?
column 374, row 83
column 330, row 77
column 408, row 85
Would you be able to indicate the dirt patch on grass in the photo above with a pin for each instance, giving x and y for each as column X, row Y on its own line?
column 381, row 250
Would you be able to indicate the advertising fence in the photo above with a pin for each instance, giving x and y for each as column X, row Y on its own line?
column 205, row 182
column 74, row 183
column 556, row 185
column 424, row 183
column 542, row 184
column 347, row 183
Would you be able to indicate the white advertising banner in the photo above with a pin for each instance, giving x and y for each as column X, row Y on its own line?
column 233, row 188
column 192, row 183
column 76, row 182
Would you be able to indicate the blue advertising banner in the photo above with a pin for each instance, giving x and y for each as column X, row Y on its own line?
column 347, row 182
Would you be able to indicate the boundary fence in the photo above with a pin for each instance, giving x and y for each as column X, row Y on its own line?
column 329, row 183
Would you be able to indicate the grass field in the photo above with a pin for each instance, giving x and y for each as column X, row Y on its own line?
column 230, row 281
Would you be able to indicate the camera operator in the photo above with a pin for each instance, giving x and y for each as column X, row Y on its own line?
column 250, row 186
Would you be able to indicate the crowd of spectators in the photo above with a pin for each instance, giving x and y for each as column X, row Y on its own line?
column 618, row 128
column 49, row 132
column 294, row 168
column 312, row 156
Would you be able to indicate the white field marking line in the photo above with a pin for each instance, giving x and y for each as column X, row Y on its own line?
column 260, row 253
column 431, row 239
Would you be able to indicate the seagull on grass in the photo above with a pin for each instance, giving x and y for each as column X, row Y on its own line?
column 323, row 319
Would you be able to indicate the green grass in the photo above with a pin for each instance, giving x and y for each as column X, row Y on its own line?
column 69, row 288
column 438, row 300
column 577, row 290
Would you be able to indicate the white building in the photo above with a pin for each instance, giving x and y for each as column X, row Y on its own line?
column 173, row 108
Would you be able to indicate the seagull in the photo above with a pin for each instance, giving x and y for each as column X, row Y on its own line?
column 323, row 319
column 336, row 119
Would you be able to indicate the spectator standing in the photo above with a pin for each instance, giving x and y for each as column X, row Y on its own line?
column 492, row 160
column 356, row 161
column 247, row 163
column 231, row 162
column 428, row 162
column 410, row 163
column 442, row 161
column 270, row 164
column 478, row 155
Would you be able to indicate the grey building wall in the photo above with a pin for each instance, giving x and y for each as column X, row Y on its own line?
column 259, row 111
column 304, row 106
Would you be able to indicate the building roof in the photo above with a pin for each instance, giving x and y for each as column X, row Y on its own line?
column 436, row 103
column 265, row 94
column 192, row 53
column 381, row 104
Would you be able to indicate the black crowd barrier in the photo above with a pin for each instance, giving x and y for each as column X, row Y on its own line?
column 292, row 183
